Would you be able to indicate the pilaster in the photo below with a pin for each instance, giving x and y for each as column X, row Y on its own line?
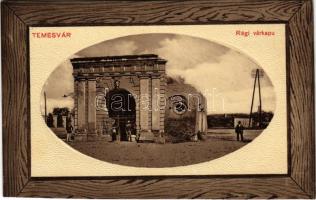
column 144, row 103
column 81, row 102
column 91, row 105
column 155, row 101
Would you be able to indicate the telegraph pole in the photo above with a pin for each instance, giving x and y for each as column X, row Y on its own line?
column 257, row 74
column 45, row 107
column 253, row 96
column 260, row 101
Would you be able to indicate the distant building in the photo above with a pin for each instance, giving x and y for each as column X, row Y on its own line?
column 244, row 121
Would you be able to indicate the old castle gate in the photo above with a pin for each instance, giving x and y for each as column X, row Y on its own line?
column 101, row 82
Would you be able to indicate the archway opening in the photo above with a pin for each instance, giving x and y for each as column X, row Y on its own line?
column 122, row 108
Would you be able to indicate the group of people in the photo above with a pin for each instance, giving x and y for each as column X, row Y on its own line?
column 116, row 131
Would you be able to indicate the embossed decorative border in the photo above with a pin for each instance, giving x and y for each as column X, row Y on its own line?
column 18, row 16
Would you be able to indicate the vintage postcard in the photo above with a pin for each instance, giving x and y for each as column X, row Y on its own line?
column 158, row 100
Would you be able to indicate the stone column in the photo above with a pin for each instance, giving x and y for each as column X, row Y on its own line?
column 144, row 103
column 75, row 119
column 155, row 100
column 198, row 120
column 201, row 116
column 81, row 99
column 205, row 126
column 163, row 103
column 91, row 106
column 137, row 101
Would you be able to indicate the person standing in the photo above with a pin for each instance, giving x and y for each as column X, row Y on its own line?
column 128, row 130
column 114, row 131
column 239, row 129
column 69, row 130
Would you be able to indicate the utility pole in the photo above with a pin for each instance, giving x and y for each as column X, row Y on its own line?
column 260, row 101
column 253, row 95
column 257, row 74
column 45, row 107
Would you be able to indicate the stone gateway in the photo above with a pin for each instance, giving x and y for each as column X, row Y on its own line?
column 117, row 90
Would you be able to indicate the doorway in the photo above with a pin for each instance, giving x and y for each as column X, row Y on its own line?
column 122, row 108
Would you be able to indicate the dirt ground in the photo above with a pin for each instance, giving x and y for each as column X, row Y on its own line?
column 218, row 143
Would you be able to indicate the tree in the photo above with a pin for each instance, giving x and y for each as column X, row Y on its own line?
column 61, row 111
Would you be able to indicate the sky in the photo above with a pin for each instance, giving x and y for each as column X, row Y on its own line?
column 222, row 74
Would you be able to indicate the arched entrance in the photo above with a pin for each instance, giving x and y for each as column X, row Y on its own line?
column 122, row 108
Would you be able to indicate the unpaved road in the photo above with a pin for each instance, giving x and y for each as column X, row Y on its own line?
column 217, row 144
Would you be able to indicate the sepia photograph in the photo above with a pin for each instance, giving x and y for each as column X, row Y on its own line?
column 157, row 100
